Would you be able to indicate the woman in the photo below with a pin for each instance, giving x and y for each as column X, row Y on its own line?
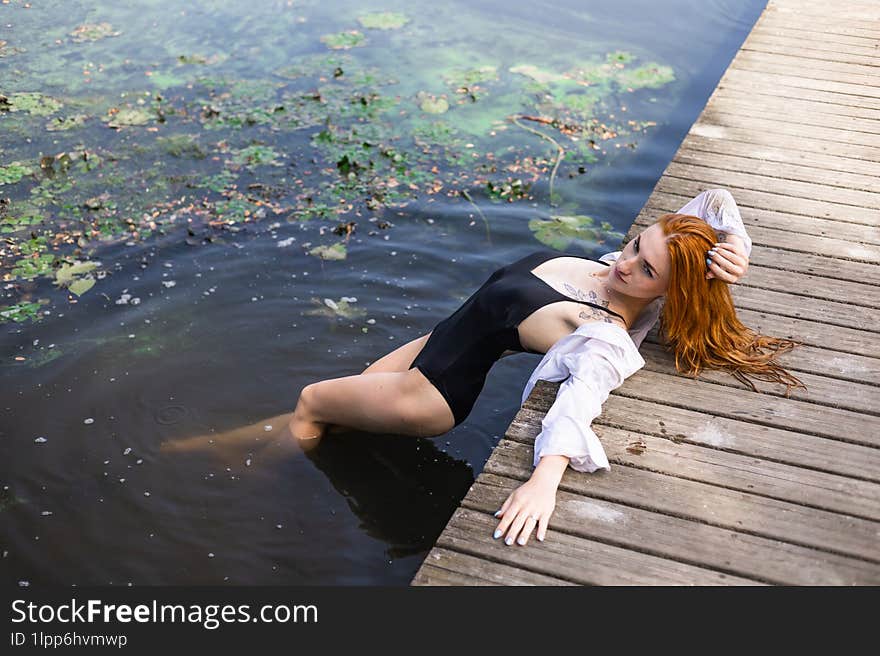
column 588, row 318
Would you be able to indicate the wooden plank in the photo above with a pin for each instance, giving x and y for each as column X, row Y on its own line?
column 780, row 30
column 435, row 576
column 815, row 69
column 790, row 113
column 752, row 135
column 865, row 56
column 762, row 38
column 447, row 567
column 790, row 78
column 853, row 293
column 797, row 87
column 832, row 313
column 830, row 27
column 821, row 389
column 777, row 195
column 837, row 168
column 778, row 170
column 770, row 222
column 729, row 470
column 822, row 421
column 573, row 558
column 710, row 504
column 735, row 436
column 715, row 548
column 869, row 142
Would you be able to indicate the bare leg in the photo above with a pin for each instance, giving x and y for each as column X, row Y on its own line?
column 308, row 432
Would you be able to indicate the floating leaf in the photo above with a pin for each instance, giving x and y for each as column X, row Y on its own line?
column 560, row 231
column 82, row 285
column 334, row 252
column 329, row 308
column 130, row 116
column 68, row 272
column 385, row 20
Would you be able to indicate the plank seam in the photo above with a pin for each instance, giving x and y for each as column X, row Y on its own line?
column 637, row 548
column 679, row 515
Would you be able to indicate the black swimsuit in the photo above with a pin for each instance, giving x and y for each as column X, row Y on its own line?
column 462, row 348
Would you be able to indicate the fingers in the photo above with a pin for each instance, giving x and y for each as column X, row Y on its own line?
column 726, row 263
column 519, row 526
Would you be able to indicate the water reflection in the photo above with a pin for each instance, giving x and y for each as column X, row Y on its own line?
column 402, row 489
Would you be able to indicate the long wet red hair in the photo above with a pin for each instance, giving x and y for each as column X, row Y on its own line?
column 699, row 321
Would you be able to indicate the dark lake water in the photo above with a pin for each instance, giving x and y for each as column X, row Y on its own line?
column 206, row 205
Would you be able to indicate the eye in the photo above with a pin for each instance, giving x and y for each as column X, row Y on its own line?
column 645, row 267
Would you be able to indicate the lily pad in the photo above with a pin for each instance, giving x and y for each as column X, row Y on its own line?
column 33, row 103
column 58, row 123
column 433, row 104
column 384, row 20
column 560, row 231
column 68, row 273
column 82, row 285
column 93, row 32
column 130, row 116
column 343, row 40
column 334, row 252
column 12, row 173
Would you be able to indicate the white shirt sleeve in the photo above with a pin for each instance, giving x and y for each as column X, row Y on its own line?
column 591, row 362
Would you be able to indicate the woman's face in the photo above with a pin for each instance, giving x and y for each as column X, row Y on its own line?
column 642, row 270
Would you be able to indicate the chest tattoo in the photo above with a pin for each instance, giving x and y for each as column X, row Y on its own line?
column 581, row 295
column 593, row 314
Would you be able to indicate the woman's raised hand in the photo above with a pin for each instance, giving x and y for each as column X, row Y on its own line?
column 528, row 507
column 727, row 260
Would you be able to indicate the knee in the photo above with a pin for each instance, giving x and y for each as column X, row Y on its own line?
column 306, row 402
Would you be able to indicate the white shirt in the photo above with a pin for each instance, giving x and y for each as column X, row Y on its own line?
column 597, row 357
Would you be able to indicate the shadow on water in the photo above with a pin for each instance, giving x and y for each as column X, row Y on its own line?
column 402, row 489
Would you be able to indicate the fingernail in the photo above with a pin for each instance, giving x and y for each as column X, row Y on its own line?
column 708, row 262
column 712, row 253
column 508, row 541
column 541, row 538
column 497, row 534
column 497, row 512
column 521, row 541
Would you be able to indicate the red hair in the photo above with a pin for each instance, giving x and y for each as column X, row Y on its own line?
column 699, row 320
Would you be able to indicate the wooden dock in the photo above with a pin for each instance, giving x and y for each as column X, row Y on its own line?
column 711, row 483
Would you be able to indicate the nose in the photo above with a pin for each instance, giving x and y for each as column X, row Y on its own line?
column 624, row 266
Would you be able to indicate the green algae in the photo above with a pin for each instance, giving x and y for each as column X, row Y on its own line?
column 385, row 20
column 24, row 311
column 14, row 172
column 344, row 40
column 34, row 103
